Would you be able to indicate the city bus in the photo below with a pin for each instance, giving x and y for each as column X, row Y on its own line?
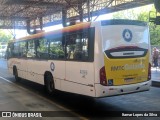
column 96, row 59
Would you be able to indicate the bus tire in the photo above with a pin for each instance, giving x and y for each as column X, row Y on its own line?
column 15, row 72
column 49, row 84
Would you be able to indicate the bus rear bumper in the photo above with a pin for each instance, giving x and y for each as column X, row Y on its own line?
column 104, row 91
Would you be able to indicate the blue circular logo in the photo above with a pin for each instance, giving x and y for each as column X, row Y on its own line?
column 127, row 35
column 52, row 66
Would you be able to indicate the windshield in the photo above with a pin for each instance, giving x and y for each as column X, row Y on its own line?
column 124, row 35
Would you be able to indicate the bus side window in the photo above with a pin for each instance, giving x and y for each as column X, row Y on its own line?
column 16, row 49
column 70, row 45
column 31, row 53
column 57, row 50
column 10, row 49
column 23, row 49
column 42, row 45
column 77, row 46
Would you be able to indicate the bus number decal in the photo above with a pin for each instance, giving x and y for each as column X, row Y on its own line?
column 83, row 73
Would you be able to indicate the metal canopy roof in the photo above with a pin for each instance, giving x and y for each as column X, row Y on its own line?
column 41, row 13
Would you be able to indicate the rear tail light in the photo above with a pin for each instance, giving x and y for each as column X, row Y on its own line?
column 103, row 80
column 149, row 71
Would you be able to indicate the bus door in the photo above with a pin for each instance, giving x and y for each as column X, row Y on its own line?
column 79, row 69
column 31, row 60
column 126, row 53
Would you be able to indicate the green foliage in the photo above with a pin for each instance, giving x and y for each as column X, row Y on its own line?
column 125, row 14
column 53, row 48
column 142, row 15
column 5, row 38
column 42, row 47
column 155, row 34
column 57, row 50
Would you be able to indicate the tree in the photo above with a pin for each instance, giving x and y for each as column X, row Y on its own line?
column 125, row 14
column 155, row 34
column 4, row 37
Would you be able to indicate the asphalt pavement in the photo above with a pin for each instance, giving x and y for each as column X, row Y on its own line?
column 155, row 77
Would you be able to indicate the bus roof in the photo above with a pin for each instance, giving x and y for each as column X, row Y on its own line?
column 123, row 22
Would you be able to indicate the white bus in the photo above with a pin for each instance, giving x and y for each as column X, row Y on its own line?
column 97, row 59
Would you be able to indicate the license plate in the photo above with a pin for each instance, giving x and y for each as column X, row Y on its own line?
column 129, row 79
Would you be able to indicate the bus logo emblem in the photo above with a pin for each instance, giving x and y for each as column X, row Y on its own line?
column 127, row 35
column 52, row 66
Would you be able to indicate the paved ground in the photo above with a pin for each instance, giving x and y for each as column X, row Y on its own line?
column 156, row 77
column 28, row 96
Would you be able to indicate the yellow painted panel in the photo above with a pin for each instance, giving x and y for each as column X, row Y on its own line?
column 127, row 70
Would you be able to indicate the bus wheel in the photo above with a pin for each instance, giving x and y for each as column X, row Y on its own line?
column 16, row 74
column 49, row 84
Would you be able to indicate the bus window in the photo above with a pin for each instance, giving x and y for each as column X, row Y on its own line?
column 10, row 48
column 31, row 53
column 23, row 49
column 42, row 45
column 16, row 50
column 77, row 46
column 57, row 50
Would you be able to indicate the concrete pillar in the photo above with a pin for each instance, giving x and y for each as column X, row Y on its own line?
column 64, row 17
column 28, row 26
column 41, row 23
column 80, row 11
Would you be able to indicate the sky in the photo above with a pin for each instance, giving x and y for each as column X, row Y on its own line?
column 23, row 33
